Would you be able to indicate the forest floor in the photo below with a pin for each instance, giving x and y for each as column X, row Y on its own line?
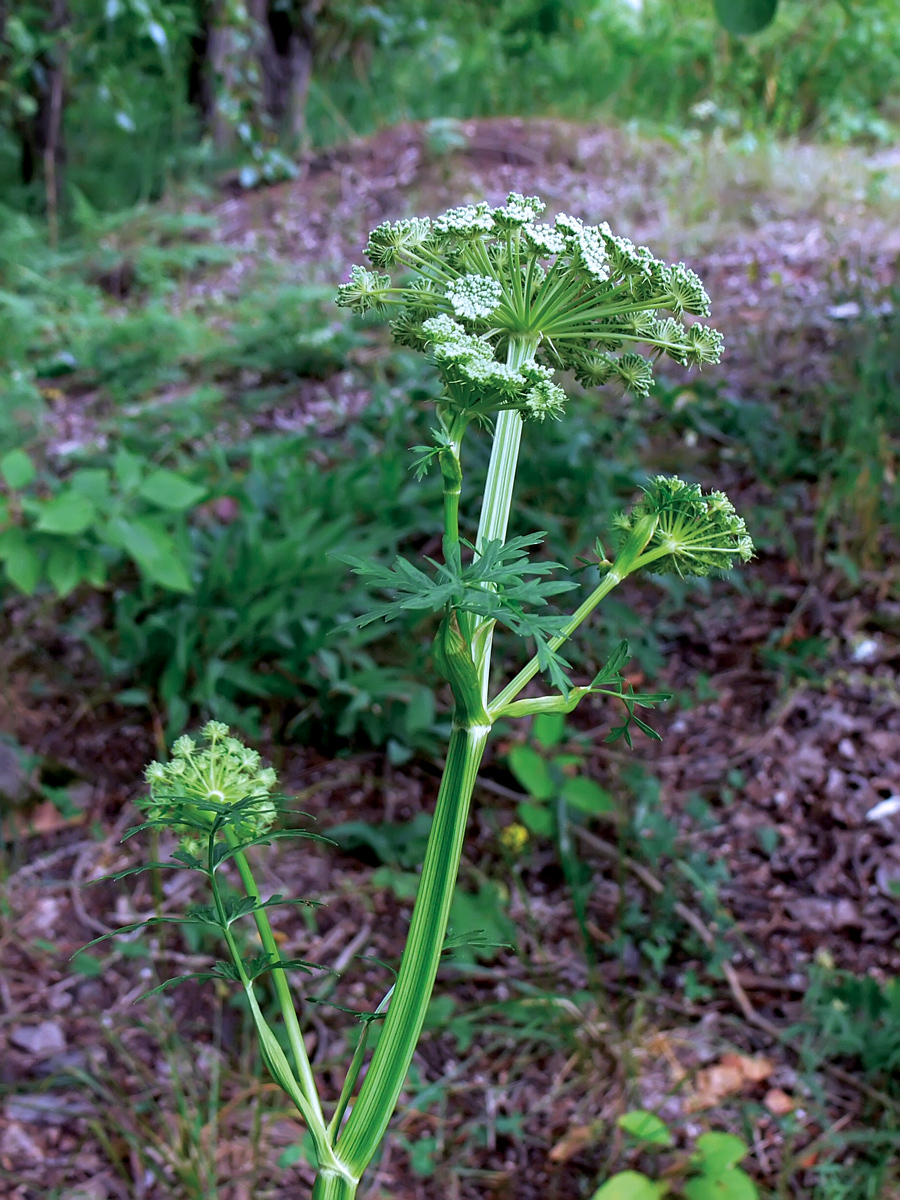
column 764, row 780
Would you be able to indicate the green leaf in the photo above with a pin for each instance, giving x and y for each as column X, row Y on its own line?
column 23, row 564
column 68, row 513
column 17, row 469
column 87, row 964
column 154, row 551
column 731, row 1184
column 719, row 1151
column 532, row 772
column 168, row 489
column 745, row 16
column 587, row 796
column 646, row 1126
column 536, row 819
column 193, row 919
column 174, row 982
column 63, row 568
column 128, row 468
column 92, row 482
column 549, row 729
column 630, row 1185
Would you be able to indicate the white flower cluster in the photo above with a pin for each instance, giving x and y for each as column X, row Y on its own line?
column 545, row 399
column 544, row 240
column 390, row 241
column 365, row 290
column 468, row 221
column 477, row 382
column 518, row 212
column 474, row 296
column 583, row 297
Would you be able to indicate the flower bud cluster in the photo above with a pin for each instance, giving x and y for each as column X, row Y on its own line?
column 692, row 533
column 584, row 298
column 200, row 783
column 477, row 384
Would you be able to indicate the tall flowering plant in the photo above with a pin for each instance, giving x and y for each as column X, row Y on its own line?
column 501, row 303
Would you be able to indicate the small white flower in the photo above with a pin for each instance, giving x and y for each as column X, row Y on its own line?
column 544, row 239
column 474, row 296
column 470, row 220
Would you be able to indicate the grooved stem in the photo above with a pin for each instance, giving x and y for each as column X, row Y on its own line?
column 384, row 1080
column 330, row 1185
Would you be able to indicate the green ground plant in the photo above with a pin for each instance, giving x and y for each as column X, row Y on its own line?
column 711, row 1172
column 77, row 531
column 500, row 302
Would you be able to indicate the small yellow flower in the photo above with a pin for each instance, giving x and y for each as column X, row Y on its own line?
column 514, row 838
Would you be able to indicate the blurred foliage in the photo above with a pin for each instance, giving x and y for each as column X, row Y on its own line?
column 109, row 100
column 211, row 536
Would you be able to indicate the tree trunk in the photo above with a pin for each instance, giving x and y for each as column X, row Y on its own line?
column 221, row 51
column 301, row 49
column 54, row 144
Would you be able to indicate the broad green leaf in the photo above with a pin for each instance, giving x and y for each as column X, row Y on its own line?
column 646, row 1126
column 154, row 551
column 730, row 1184
column 719, row 1151
column 68, row 513
column 168, row 489
column 537, row 819
column 745, row 16
column 128, row 469
column 17, row 469
column 23, row 563
column 587, row 796
column 630, row 1185
column 93, row 567
column 64, row 568
column 531, row 772
column 549, row 729
column 92, row 482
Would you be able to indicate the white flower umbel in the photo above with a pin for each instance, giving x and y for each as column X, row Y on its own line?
column 579, row 296
column 474, row 296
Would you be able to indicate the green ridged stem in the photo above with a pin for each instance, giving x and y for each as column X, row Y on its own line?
column 498, row 492
column 384, row 1080
column 330, row 1185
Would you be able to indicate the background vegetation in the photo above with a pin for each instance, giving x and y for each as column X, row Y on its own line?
column 186, row 441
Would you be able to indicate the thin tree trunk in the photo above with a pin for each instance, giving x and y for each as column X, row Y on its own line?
column 54, row 146
column 221, row 52
column 300, row 64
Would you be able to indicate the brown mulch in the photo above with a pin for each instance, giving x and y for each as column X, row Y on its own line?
column 788, row 765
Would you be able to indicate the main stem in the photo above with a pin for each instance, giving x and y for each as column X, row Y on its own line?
column 374, row 1107
column 498, row 492
column 384, row 1080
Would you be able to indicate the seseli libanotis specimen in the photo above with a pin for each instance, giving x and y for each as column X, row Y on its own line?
column 501, row 303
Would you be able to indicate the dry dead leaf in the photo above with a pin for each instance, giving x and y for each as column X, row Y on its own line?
column 731, row 1074
column 578, row 1138
column 779, row 1103
column 754, row 1070
column 45, row 818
